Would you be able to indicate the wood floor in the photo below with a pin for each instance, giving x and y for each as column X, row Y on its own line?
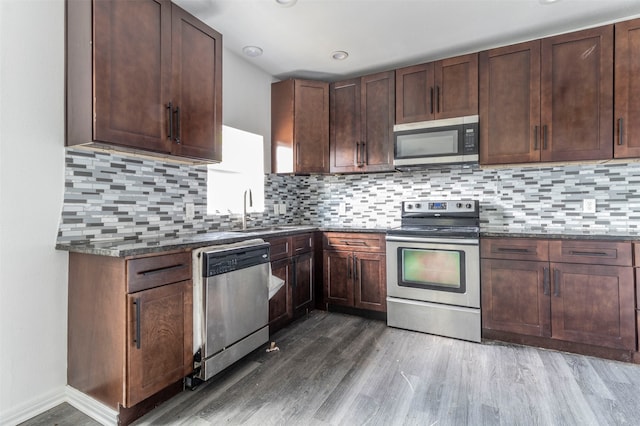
column 335, row 369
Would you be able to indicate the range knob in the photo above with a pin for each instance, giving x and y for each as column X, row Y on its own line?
column 409, row 206
column 418, row 205
column 459, row 205
column 468, row 205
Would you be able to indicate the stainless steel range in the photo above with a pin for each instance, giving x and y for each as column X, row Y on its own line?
column 433, row 269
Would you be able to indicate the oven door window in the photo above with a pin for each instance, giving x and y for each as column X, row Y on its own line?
column 434, row 269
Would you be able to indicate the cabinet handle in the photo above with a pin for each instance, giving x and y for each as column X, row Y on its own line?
column 556, row 282
column 178, row 130
column 545, row 284
column 136, row 339
column 589, row 253
column 364, row 153
column 349, row 266
column 535, row 138
column 161, row 270
column 544, row 137
column 170, row 110
column 355, row 267
column 294, row 281
column 354, row 243
column 431, row 96
column 513, row 250
column 621, row 131
column 438, row 100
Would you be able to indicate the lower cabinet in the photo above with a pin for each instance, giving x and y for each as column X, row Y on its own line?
column 572, row 291
column 291, row 261
column 354, row 268
column 130, row 326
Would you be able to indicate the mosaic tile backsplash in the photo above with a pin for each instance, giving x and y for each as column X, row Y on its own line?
column 110, row 196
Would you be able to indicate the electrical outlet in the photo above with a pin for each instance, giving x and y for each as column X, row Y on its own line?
column 589, row 205
column 342, row 208
column 189, row 211
column 276, row 209
column 283, row 208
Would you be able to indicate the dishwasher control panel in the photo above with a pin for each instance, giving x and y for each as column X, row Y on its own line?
column 223, row 261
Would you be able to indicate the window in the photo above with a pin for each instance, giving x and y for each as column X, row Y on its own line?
column 242, row 168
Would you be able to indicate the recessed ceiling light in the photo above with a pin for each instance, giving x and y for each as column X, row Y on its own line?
column 252, row 51
column 339, row 55
column 286, row 3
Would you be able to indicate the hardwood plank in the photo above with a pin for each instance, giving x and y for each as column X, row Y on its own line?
column 339, row 369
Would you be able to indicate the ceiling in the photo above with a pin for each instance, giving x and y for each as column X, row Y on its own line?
column 298, row 40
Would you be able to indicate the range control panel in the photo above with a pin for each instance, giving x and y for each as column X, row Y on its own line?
column 441, row 207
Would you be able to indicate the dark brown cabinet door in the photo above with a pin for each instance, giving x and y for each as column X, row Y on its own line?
column 510, row 104
column 515, row 296
column 415, row 97
column 338, row 281
column 159, row 337
column 132, row 54
column 197, row 88
column 375, row 150
column 311, row 128
column 369, row 277
column 577, row 95
column 456, row 86
column 280, row 307
column 593, row 304
column 302, row 284
column 345, row 133
column 300, row 126
column 627, row 89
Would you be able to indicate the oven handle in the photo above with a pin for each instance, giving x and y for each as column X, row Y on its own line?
column 458, row 241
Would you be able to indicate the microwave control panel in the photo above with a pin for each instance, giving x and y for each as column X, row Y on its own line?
column 470, row 138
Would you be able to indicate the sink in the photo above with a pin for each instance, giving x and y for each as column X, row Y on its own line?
column 267, row 229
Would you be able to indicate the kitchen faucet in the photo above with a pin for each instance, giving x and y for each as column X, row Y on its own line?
column 244, row 212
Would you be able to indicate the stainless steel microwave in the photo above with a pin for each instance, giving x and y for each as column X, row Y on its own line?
column 448, row 141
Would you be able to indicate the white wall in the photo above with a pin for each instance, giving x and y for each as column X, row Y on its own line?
column 33, row 275
column 246, row 99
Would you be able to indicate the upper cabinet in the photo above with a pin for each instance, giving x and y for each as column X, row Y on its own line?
column 627, row 90
column 361, row 124
column 143, row 75
column 300, row 127
column 443, row 89
column 548, row 100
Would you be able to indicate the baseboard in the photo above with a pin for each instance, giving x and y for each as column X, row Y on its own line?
column 92, row 408
column 30, row 409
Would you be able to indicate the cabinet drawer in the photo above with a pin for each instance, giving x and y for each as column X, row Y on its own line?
column 149, row 272
column 514, row 248
column 591, row 252
column 302, row 243
column 354, row 241
column 280, row 248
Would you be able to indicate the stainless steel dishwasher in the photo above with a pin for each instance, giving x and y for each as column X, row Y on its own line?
column 235, row 305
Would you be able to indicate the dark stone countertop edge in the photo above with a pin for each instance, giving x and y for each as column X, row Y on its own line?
column 563, row 236
column 129, row 248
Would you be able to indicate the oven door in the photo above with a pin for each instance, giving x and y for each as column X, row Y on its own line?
column 434, row 270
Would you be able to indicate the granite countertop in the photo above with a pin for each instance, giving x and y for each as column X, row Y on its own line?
column 137, row 247
column 141, row 246
column 561, row 235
